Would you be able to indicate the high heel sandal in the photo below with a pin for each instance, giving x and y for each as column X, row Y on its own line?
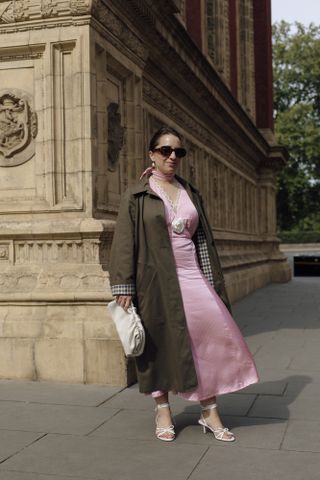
column 166, row 434
column 219, row 432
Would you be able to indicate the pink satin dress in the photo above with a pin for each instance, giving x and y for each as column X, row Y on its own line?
column 222, row 359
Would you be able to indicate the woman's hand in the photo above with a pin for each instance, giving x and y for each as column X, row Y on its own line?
column 124, row 301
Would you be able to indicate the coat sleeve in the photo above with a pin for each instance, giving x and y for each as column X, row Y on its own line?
column 122, row 258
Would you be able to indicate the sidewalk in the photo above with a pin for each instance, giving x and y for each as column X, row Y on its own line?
column 90, row 432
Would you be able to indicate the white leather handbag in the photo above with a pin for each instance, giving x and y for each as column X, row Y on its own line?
column 129, row 328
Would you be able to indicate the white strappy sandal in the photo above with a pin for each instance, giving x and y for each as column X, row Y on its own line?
column 166, row 434
column 220, row 433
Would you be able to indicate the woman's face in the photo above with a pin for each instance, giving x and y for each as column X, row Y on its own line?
column 166, row 164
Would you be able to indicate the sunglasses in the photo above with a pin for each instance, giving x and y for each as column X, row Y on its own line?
column 166, row 151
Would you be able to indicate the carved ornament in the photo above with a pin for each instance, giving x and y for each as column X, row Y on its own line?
column 119, row 30
column 22, row 10
column 15, row 11
column 60, row 251
column 4, row 253
column 21, row 281
column 115, row 136
column 49, row 8
column 18, row 128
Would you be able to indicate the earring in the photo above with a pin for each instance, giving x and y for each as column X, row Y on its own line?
column 153, row 164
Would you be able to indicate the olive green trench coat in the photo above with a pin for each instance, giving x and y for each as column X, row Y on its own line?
column 142, row 264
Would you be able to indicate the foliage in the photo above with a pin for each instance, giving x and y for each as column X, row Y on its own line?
column 296, row 59
column 299, row 237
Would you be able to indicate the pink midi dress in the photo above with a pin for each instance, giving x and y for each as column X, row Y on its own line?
column 222, row 359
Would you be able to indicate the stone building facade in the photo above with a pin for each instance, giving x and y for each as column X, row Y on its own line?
column 83, row 85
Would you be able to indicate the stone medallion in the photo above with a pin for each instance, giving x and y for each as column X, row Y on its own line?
column 18, row 128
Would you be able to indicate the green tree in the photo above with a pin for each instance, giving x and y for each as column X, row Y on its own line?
column 296, row 63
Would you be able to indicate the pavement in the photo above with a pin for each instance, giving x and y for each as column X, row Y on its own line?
column 91, row 432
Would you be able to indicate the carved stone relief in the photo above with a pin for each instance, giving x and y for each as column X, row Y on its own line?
column 18, row 128
column 57, row 251
column 22, row 10
column 4, row 253
column 115, row 136
column 28, row 282
column 49, row 8
column 80, row 7
column 119, row 30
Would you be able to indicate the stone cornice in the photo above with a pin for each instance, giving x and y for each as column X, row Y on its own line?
column 277, row 158
column 12, row 11
column 23, row 10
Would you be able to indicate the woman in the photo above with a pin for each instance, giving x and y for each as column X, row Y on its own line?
column 163, row 258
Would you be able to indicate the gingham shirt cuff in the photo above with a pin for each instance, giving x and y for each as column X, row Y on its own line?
column 203, row 255
column 124, row 289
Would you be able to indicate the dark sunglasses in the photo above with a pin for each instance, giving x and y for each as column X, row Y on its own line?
column 166, row 151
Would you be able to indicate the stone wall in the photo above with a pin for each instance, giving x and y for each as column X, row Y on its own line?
column 83, row 85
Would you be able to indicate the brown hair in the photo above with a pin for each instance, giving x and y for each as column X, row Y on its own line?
column 165, row 130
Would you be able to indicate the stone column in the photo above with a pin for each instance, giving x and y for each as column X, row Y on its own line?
column 194, row 20
column 246, row 79
column 279, row 268
column 233, row 42
column 217, row 39
column 263, row 63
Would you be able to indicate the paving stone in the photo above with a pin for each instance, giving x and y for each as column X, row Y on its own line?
column 106, row 458
column 280, row 351
column 55, row 393
column 303, row 436
column 285, row 407
column 256, row 464
column 140, row 425
column 34, row 476
column 277, row 387
column 287, row 376
column 276, row 421
column 130, row 398
column 281, row 358
column 237, row 404
column 129, row 424
column 52, row 418
column 11, row 442
column 257, row 340
column 249, row 432
column 307, row 389
column 307, row 358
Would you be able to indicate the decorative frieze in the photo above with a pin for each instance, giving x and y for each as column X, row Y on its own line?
column 49, row 8
column 22, row 281
column 121, row 35
column 81, row 7
column 23, row 10
column 29, row 52
column 57, row 251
